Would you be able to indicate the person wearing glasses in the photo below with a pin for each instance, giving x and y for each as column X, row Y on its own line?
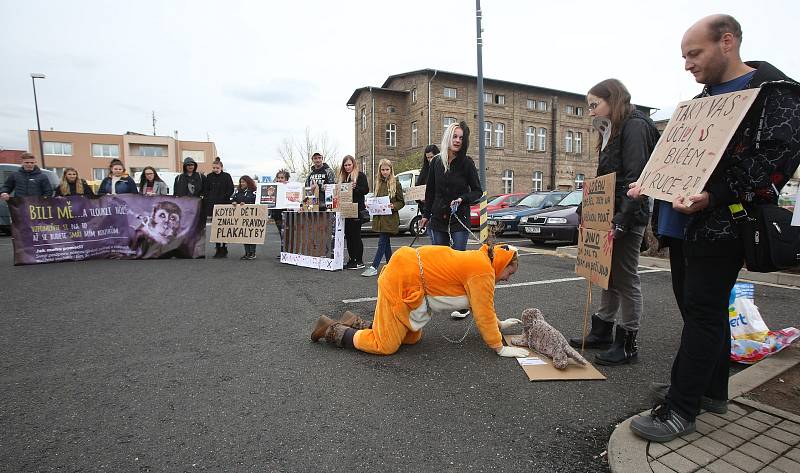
column 626, row 139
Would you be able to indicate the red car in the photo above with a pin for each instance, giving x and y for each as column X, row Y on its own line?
column 496, row 202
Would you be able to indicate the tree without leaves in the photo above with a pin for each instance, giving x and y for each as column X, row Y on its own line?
column 296, row 153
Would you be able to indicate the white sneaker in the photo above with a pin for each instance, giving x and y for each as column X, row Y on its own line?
column 459, row 314
column 371, row 271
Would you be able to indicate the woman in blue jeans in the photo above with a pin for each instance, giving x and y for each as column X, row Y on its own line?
column 453, row 185
column 386, row 225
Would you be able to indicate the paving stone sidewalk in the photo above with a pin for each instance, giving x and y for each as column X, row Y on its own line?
column 751, row 437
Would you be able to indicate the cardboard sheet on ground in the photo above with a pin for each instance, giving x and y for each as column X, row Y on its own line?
column 537, row 371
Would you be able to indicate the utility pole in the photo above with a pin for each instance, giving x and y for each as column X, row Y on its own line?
column 35, row 76
column 154, row 123
column 484, row 232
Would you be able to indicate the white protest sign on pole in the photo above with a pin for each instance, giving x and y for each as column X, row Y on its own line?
column 693, row 143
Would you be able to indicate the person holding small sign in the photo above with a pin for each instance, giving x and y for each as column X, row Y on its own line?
column 626, row 139
column 758, row 160
column 281, row 177
column 349, row 173
column 386, row 225
column 246, row 194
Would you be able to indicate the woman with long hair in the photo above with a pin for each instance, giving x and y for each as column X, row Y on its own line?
column 151, row 184
column 72, row 184
column 386, row 184
column 217, row 189
column 417, row 280
column 118, row 181
column 626, row 137
column 246, row 194
column 452, row 187
column 349, row 173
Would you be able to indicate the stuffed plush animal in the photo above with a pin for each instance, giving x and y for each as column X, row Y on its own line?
column 540, row 336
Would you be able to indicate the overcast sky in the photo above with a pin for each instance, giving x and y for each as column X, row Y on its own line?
column 249, row 74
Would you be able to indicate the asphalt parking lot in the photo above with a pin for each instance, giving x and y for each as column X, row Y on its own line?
column 185, row 365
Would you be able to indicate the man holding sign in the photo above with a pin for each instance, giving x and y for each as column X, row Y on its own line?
column 706, row 251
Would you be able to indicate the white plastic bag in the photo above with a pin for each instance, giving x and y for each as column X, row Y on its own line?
column 743, row 315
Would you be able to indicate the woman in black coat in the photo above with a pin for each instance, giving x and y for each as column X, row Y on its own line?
column 72, row 184
column 349, row 172
column 246, row 194
column 217, row 189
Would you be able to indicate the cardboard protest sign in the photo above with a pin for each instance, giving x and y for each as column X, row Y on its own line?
column 693, row 143
column 414, row 193
column 540, row 368
column 594, row 255
column 239, row 224
column 344, row 200
column 121, row 226
column 597, row 207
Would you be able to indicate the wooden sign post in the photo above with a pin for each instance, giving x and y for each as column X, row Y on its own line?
column 693, row 143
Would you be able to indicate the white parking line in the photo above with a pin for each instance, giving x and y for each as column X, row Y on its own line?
column 529, row 283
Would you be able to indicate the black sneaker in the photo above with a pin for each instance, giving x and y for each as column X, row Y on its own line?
column 662, row 425
column 359, row 265
column 717, row 406
column 350, row 265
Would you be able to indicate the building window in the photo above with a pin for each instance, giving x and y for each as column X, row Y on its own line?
column 154, row 151
column 500, row 135
column 414, row 95
column 414, row 135
column 508, row 181
column 363, row 118
column 578, row 142
column 198, row 156
column 568, row 142
column 542, row 139
column 537, row 181
column 98, row 174
column 105, row 151
column 487, row 97
column 500, row 99
column 57, row 149
column 542, row 106
column 448, row 121
column 579, row 111
column 391, row 109
column 391, row 135
column 531, row 104
column 570, row 110
column 530, row 138
column 450, row 93
column 579, row 178
column 487, row 133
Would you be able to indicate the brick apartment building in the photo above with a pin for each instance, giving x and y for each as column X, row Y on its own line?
column 536, row 138
column 91, row 153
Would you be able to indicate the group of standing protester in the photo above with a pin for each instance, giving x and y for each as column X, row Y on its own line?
column 701, row 232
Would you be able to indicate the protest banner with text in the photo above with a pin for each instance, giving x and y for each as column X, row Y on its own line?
column 122, row 226
column 693, row 143
column 239, row 224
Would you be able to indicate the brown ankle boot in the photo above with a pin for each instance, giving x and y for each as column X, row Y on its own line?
column 321, row 327
column 335, row 334
column 353, row 321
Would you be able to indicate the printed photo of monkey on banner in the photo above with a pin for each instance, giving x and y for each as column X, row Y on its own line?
column 124, row 226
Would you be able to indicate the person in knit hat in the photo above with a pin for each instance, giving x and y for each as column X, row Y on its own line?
column 420, row 281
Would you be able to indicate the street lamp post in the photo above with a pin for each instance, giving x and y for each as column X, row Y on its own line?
column 35, row 76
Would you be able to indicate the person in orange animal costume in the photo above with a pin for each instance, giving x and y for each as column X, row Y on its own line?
column 418, row 282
